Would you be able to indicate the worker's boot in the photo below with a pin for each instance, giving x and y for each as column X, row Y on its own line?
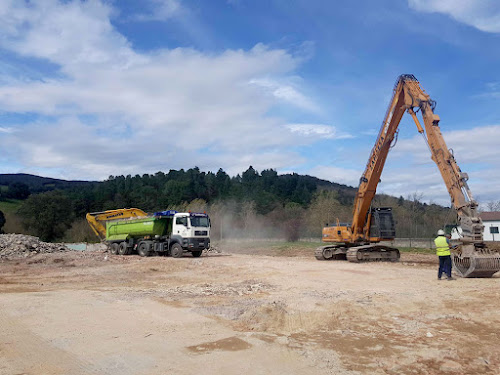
column 451, row 278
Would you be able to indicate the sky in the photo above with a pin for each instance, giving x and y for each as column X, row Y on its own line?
column 95, row 88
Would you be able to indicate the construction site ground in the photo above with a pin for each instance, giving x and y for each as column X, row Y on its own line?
column 245, row 310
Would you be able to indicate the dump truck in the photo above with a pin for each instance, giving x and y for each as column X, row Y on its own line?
column 168, row 232
column 359, row 241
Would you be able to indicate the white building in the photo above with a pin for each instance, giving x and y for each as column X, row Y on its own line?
column 491, row 222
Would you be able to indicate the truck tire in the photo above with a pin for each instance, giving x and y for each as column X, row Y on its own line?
column 114, row 247
column 196, row 253
column 176, row 251
column 143, row 249
column 123, row 249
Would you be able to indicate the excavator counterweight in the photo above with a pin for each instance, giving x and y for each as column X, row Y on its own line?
column 359, row 241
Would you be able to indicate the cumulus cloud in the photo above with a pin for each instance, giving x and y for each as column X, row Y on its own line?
column 481, row 14
column 111, row 110
column 71, row 34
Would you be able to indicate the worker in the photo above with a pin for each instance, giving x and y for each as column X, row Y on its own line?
column 444, row 254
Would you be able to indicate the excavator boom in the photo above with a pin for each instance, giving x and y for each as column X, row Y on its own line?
column 472, row 259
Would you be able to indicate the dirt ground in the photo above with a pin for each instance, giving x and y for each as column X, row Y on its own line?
column 234, row 313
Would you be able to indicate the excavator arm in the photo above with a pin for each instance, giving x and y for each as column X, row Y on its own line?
column 454, row 179
column 97, row 220
column 409, row 97
column 472, row 259
column 371, row 177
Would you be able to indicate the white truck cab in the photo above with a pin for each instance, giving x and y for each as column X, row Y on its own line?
column 191, row 230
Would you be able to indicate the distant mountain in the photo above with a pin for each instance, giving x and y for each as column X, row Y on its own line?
column 39, row 184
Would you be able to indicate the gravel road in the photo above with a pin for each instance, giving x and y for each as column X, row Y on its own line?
column 96, row 313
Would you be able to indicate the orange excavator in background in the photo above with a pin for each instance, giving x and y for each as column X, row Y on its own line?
column 97, row 220
column 360, row 241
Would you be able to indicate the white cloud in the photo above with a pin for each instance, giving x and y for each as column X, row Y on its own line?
column 5, row 130
column 481, row 14
column 317, row 130
column 285, row 92
column 160, row 10
column 492, row 91
column 71, row 34
column 113, row 110
column 473, row 145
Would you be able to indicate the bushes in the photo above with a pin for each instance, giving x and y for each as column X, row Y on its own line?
column 47, row 215
column 80, row 231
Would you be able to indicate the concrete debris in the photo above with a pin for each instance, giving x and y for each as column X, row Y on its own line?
column 213, row 249
column 15, row 246
column 236, row 289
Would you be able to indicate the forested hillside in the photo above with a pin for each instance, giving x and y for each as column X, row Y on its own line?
column 36, row 184
column 251, row 205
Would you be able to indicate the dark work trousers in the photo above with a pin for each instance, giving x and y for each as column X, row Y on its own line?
column 444, row 266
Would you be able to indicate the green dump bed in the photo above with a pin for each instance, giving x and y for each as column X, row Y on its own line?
column 120, row 230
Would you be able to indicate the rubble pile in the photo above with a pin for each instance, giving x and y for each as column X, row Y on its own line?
column 22, row 246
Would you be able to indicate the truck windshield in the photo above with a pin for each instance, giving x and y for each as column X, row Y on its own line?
column 199, row 221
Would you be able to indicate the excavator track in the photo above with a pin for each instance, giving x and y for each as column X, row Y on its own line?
column 358, row 254
column 330, row 253
column 373, row 253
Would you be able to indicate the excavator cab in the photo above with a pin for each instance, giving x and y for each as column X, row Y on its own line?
column 382, row 226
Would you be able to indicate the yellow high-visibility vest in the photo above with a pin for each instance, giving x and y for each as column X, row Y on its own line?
column 442, row 247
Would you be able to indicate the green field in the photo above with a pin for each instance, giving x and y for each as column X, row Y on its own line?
column 10, row 205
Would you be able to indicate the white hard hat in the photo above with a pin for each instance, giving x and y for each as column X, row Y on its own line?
column 440, row 232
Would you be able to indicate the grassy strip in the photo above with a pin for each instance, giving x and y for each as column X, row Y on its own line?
column 10, row 205
column 416, row 250
column 292, row 249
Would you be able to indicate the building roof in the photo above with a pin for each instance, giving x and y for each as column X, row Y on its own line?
column 490, row 216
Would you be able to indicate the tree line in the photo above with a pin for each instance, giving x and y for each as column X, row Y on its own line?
column 254, row 204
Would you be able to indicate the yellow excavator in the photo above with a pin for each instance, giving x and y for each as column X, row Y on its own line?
column 97, row 220
column 360, row 241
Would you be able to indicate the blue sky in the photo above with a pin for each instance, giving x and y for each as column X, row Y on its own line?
column 95, row 88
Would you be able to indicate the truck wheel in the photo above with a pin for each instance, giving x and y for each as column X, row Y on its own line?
column 176, row 251
column 196, row 253
column 143, row 249
column 123, row 249
column 114, row 248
